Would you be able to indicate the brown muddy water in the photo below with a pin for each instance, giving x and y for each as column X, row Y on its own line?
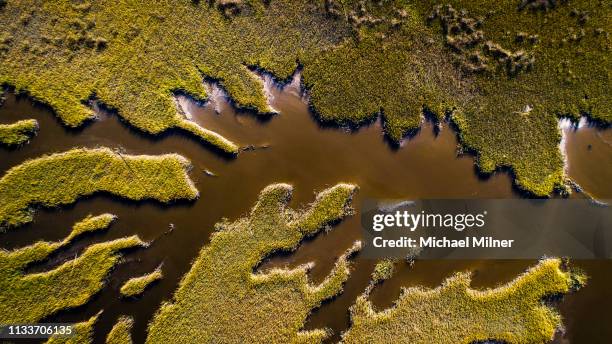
column 310, row 157
column 589, row 160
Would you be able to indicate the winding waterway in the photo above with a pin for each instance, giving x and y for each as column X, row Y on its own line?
column 311, row 157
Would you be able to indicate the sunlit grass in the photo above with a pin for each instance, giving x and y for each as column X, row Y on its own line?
column 137, row 285
column 134, row 57
column 18, row 133
column 83, row 333
column 61, row 179
column 454, row 313
column 221, row 299
column 359, row 59
column 508, row 119
column 30, row 297
column 121, row 332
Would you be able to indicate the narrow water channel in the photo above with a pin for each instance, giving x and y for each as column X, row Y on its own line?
column 311, row 157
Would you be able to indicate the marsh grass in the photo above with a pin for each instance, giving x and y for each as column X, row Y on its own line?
column 511, row 120
column 134, row 57
column 507, row 118
column 395, row 77
column 137, row 285
column 121, row 331
column 454, row 313
column 383, row 270
column 360, row 59
column 222, row 299
column 18, row 133
column 60, row 179
column 28, row 298
column 83, row 333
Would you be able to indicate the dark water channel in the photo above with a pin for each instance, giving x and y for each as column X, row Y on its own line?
column 310, row 157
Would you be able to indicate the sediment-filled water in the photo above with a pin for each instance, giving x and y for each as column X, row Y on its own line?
column 589, row 162
column 311, row 157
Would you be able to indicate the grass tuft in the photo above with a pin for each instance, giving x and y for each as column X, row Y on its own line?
column 137, row 285
column 18, row 133
column 83, row 333
column 121, row 332
column 383, row 270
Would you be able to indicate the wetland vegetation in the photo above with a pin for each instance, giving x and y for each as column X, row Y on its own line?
column 137, row 285
column 455, row 313
column 60, row 179
column 18, row 133
column 83, row 333
column 120, row 333
column 30, row 297
column 502, row 73
column 221, row 298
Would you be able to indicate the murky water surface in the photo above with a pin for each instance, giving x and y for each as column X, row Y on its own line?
column 589, row 164
column 310, row 157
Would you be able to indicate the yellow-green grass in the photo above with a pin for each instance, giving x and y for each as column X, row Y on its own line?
column 137, row 285
column 569, row 78
column 386, row 59
column 18, row 133
column 133, row 56
column 83, row 333
column 121, row 331
column 397, row 76
column 456, row 314
column 28, row 298
column 222, row 299
column 508, row 120
column 383, row 270
column 60, row 179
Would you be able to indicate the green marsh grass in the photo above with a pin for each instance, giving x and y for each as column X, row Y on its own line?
column 383, row 270
column 83, row 333
column 137, row 285
column 222, row 299
column 121, row 331
column 454, row 313
column 30, row 297
column 134, row 57
column 18, row 133
column 359, row 59
column 508, row 120
column 60, row 179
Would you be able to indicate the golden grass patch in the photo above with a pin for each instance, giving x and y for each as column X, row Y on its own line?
column 83, row 333
column 454, row 313
column 60, row 179
column 137, row 285
column 222, row 299
column 121, row 332
column 18, row 133
column 28, row 298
